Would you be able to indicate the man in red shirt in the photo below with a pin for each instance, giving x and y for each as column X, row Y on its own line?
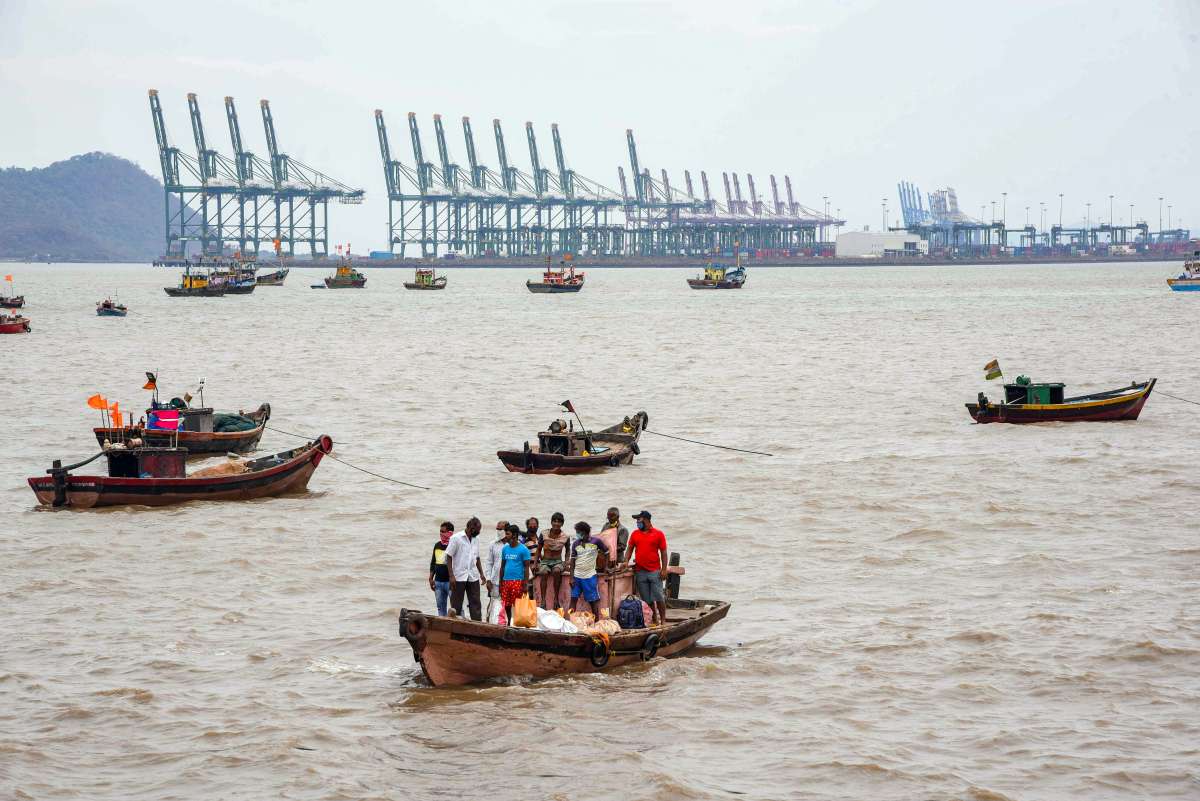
column 648, row 549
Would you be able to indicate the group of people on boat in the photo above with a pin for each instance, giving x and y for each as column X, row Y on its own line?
column 558, row 571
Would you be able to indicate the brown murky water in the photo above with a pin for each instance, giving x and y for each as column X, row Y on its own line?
column 922, row 608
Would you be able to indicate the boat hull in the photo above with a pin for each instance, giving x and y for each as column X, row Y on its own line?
column 1184, row 284
column 701, row 283
column 273, row 279
column 455, row 651
column 540, row 288
column 12, row 302
column 86, row 492
column 543, row 463
column 241, row 289
column 201, row 292
column 1095, row 408
column 333, row 283
column 15, row 325
column 102, row 312
column 439, row 283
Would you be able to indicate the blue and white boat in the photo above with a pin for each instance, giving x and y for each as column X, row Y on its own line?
column 1189, row 279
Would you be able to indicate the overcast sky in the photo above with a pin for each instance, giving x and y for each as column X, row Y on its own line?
column 1029, row 98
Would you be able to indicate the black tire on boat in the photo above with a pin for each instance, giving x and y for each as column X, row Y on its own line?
column 645, row 419
column 650, row 647
column 633, row 446
column 614, row 461
column 599, row 654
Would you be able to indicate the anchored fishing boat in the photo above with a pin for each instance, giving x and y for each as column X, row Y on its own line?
column 14, row 324
column 564, row 450
column 720, row 276
column 454, row 651
column 11, row 301
column 1029, row 402
column 157, row 476
column 426, row 278
column 1189, row 279
column 564, row 279
column 275, row 278
column 195, row 285
column 345, row 276
column 111, row 308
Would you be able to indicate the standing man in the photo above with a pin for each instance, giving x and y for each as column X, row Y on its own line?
column 462, row 562
column 439, row 576
column 648, row 548
column 491, row 569
column 586, row 552
column 514, row 570
column 614, row 521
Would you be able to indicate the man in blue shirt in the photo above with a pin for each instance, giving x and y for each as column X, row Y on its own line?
column 514, row 570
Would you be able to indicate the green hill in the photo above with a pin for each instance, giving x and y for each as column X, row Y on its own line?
column 94, row 207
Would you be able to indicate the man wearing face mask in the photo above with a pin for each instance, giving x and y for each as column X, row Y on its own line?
column 648, row 549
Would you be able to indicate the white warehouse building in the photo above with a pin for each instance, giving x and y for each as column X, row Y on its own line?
column 879, row 244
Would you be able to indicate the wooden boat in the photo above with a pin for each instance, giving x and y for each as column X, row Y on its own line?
column 196, row 435
column 152, row 476
column 563, row 450
column 426, row 279
column 1027, row 402
column 455, row 651
column 195, row 286
column 719, row 276
column 14, row 324
column 275, row 278
column 12, row 301
column 346, row 276
column 110, row 308
column 564, row 279
column 1189, row 279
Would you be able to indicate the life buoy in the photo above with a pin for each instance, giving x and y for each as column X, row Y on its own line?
column 614, row 461
column 650, row 647
column 598, row 655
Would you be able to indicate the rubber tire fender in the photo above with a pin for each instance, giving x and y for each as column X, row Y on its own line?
column 614, row 461
column 598, row 654
column 650, row 647
column 633, row 446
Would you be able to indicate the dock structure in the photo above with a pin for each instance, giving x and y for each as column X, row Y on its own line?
column 439, row 208
column 243, row 202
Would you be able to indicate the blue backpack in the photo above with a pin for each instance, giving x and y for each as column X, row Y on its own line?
column 629, row 614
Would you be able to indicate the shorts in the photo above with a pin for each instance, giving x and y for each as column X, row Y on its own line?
column 649, row 586
column 550, row 566
column 589, row 588
column 510, row 591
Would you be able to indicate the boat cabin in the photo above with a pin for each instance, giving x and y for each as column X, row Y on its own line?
column 561, row 438
column 424, row 277
column 714, row 272
column 347, row 272
column 1024, row 391
column 190, row 281
column 146, row 462
column 165, row 416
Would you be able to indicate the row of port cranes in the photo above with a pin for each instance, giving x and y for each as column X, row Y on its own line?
column 937, row 218
column 435, row 208
column 245, row 202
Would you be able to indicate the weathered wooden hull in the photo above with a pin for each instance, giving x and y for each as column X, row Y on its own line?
column 15, row 325
column 12, row 302
column 540, row 288
column 334, row 283
column 273, row 279
column 1094, row 408
column 1184, row 284
column 540, row 463
column 241, row 289
column 453, row 651
column 201, row 292
column 102, row 311
column 438, row 283
column 196, row 442
column 86, row 492
column 701, row 283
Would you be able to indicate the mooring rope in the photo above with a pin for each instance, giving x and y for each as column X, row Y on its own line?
column 1176, row 397
column 709, row 444
column 351, row 466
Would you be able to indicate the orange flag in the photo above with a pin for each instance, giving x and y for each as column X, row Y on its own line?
column 97, row 402
column 8, row 278
column 116, row 414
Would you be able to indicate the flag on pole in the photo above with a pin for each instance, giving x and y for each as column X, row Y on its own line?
column 567, row 405
column 151, row 382
column 116, row 414
column 97, row 401
column 8, row 278
column 991, row 370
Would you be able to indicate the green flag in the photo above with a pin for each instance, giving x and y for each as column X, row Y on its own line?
column 991, row 370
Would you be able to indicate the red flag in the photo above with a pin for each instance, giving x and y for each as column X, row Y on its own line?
column 567, row 405
column 97, row 402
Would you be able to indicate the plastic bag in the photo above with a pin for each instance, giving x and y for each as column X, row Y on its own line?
column 525, row 613
column 582, row 620
column 551, row 621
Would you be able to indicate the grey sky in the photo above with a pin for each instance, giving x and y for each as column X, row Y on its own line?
column 1029, row 98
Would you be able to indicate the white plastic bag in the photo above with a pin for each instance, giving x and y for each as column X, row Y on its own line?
column 552, row 621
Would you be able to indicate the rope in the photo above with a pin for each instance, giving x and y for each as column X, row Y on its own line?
column 290, row 434
column 709, row 444
column 1176, row 397
column 351, row 466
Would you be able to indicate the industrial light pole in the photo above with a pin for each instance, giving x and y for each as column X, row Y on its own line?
column 1169, row 207
column 884, row 215
column 1004, row 208
column 1160, row 217
column 1130, row 215
column 1026, row 216
column 1089, row 215
column 1110, row 214
column 1060, row 205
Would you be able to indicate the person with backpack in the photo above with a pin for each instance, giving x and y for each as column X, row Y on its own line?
column 648, row 549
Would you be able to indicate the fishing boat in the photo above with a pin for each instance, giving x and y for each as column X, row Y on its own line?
column 454, row 651
column 275, row 278
column 345, row 276
column 426, row 279
column 564, row 279
column 565, row 450
column 720, row 276
column 197, row 429
column 14, row 324
column 12, row 301
column 236, row 274
column 195, row 285
column 157, row 476
column 1029, row 402
column 111, row 308
column 1189, row 279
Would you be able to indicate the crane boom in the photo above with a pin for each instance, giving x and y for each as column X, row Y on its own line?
column 687, row 180
column 775, row 196
column 506, row 172
column 449, row 171
column 539, row 178
column 418, row 154
column 205, row 157
column 728, row 195
column 754, row 204
column 787, row 182
column 244, row 161
column 279, row 161
column 638, row 190
column 477, row 171
column 385, row 152
column 166, row 153
column 566, row 178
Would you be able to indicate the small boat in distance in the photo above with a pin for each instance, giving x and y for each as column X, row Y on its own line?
column 111, row 308
column 1027, row 402
column 275, row 278
column 12, row 301
column 1189, row 279
column 564, row 279
column 345, row 276
column 153, row 476
column 14, row 324
column 195, row 286
column 564, row 450
column 426, row 278
column 720, row 276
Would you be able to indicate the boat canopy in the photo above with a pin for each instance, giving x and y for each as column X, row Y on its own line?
column 1025, row 391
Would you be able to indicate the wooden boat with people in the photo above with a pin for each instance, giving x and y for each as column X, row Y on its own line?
column 426, row 279
column 1189, row 279
column 455, row 651
column 565, row 450
column 1029, row 402
column 144, row 475
column 14, row 324
column 564, row 279
column 199, row 430
column 111, row 308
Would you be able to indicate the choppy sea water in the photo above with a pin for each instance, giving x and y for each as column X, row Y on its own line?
column 922, row 607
